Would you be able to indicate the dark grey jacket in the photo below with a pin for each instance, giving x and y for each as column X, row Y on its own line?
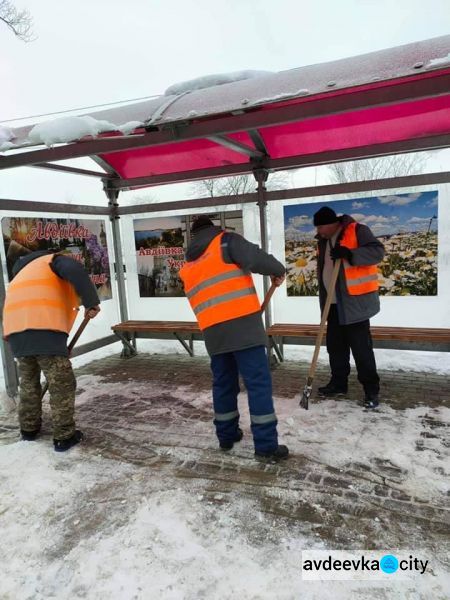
column 370, row 251
column 42, row 341
column 248, row 331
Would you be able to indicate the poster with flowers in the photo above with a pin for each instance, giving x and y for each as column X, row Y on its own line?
column 82, row 239
column 407, row 225
column 160, row 255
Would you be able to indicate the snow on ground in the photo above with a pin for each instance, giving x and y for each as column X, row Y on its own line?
column 168, row 544
column 352, row 435
column 85, row 525
column 80, row 525
column 389, row 360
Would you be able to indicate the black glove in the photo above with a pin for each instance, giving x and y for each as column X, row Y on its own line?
column 341, row 252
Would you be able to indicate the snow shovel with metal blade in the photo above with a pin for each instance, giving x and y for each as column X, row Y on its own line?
column 304, row 402
column 70, row 347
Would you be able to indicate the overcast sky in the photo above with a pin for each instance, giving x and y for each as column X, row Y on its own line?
column 91, row 52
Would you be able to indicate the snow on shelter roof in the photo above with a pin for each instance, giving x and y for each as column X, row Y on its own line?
column 392, row 100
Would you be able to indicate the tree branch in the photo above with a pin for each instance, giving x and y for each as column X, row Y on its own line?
column 19, row 22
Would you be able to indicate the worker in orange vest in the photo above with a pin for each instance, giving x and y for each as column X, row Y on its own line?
column 355, row 300
column 219, row 286
column 40, row 308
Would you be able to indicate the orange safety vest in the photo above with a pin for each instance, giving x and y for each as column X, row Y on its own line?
column 218, row 291
column 38, row 299
column 359, row 280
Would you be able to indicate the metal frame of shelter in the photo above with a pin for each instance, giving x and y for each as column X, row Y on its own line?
column 404, row 110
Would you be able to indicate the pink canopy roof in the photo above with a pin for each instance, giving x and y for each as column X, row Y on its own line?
column 384, row 102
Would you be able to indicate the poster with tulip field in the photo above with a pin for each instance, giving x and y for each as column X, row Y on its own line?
column 407, row 225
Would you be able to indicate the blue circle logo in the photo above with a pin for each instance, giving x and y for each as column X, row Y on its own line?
column 389, row 563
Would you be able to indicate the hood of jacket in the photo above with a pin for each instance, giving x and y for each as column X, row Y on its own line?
column 23, row 261
column 201, row 241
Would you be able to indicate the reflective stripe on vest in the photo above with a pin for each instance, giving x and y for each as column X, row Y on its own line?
column 218, row 291
column 362, row 279
column 38, row 299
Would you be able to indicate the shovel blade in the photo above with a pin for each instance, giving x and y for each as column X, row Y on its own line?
column 304, row 402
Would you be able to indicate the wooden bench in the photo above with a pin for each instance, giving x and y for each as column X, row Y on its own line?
column 186, row 332
column 183, row 331
column 398, row 338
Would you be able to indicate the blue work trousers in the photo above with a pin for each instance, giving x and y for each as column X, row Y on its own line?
column 253, row 366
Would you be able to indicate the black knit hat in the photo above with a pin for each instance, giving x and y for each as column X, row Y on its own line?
column 325, row 216
column 201, row 222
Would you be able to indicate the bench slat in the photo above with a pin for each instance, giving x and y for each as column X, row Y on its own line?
column 157, row 326
column 378, row 332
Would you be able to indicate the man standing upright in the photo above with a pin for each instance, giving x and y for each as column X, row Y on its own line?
column 355, row 300
column 218, row 283
column 40, row 308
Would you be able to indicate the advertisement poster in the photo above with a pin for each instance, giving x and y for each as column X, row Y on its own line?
column 83, row 239
column 160, row 255
column 407, row 225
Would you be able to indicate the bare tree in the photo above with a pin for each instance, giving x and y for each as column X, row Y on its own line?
column 378, row 168
column 19, row 21
column 237, row 185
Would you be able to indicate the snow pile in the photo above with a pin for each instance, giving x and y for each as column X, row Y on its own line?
column 127, row 128
column 278, row 97
column 70, row 129
column 6, row 135
column 207, row 81
column 443, row 61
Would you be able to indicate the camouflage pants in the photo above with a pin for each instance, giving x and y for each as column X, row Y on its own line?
column 61, row 386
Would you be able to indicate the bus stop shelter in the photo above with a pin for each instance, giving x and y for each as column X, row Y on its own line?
column 388, row 102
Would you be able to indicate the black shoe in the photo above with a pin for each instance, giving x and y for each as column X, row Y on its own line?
column 29, row 436
column 280, row 453
column 332, row 389
column 63, row 445
column 371, row 401
column 229, row 444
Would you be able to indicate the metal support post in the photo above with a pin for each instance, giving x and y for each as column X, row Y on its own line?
column 261, row 175
column 112, row 195
column 9, row 364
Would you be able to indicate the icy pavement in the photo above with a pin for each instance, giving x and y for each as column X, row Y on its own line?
column 148, row 507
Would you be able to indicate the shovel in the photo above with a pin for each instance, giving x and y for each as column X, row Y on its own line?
column 304, row 402
column 70, row 347
column 269, row 295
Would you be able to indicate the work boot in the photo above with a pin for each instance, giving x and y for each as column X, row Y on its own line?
column 371, row 401
column 332, row 389
column 229, row 444
column 280, row 453
column 29, row 436
column 63, row 445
